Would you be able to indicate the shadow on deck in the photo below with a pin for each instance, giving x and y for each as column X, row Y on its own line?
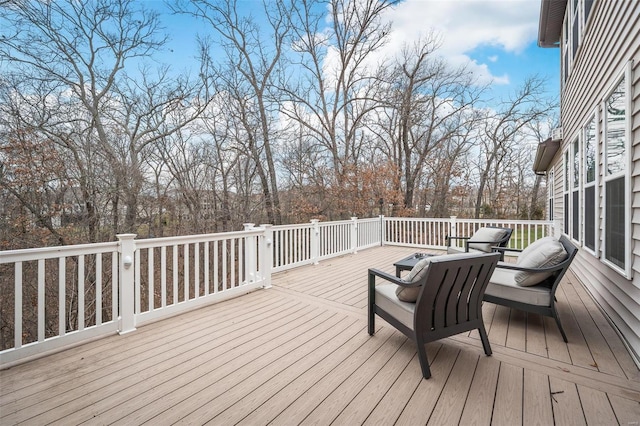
column 300, row 353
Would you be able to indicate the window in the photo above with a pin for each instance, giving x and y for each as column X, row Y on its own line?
column 575, row 20
column 589, row 175
column 587, row 9
column 616, row 175
column 575, row 190
column 575, row 26
column 565, row 49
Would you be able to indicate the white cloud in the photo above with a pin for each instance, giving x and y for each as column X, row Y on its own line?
column 464, row 25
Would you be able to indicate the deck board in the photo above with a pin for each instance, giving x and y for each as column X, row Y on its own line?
column 299, row 353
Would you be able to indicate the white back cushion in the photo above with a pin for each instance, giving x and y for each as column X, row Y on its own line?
column 541, row 254
column 487, row 236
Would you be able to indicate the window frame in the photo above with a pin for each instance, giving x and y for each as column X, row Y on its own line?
column 551, row 192
column 576, row 19
column 575, row 189
column 566, row 191
column 593, row 118
column 626, row 174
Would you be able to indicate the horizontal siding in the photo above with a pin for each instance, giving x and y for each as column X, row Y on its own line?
column 611, row 41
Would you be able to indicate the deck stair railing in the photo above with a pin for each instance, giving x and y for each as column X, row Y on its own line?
column 55, row 297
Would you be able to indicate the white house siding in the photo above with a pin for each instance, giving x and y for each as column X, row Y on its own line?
column 610, row 41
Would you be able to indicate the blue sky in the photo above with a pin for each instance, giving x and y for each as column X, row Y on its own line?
column 495, row 38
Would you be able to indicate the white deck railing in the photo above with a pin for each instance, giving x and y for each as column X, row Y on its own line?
column 66, row 295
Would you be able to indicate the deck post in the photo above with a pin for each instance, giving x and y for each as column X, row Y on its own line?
column 250, row 265
column 126, row 282
column 381, row 229
column 315, row 241
column 453, row 226
column 354, row 234
column 266, row 255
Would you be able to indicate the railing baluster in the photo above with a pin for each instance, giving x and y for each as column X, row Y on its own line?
column 196, row 270
column 186, row 272
column 225, row 259
column 62, row 296
column 114, row 286
column 150, row 279
column 216, row 262
column 81, row 285
column 137, row 283
column 232, row 261
column 175, row 274
column 41, row 317
column 163, row 276
column 17, row 306
column 242, row 275
column 98, row 305
column 206, row 268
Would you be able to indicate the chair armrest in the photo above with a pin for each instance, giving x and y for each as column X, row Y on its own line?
column 511, row 266
column 449, row 238
column 503, row 250
column 392, row 278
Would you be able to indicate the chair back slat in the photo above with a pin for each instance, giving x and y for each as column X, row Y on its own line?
column 453, row 291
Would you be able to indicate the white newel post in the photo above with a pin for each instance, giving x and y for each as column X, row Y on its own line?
column 354, row 234
column 250, row 262
column 126, row 283
column 315, row 240
column 453, row 227
column 266, row 254
column 381, row 230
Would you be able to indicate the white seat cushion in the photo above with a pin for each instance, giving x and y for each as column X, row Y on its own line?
column 387, row 300
column 503, row 284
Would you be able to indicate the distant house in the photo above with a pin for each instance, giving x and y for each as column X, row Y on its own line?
column 593, row 161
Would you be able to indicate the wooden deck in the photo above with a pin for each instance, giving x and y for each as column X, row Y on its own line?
column 299, row 353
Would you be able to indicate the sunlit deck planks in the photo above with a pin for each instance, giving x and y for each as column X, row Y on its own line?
column 299, row 353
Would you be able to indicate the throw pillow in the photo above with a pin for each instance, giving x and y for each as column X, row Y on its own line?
column 542, row 255
column 486, row 235
column 410, row 294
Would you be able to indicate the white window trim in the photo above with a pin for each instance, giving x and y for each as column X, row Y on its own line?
column 595, row 117
column 551, row 193
column 626, row 74
column 573, row 189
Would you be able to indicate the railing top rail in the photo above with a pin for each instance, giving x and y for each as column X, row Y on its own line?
column 293, row 226
column 506, row 221
column 417, row 219
column 334, row 223
column 201, row 238
column 370, row 219
column 24, row 255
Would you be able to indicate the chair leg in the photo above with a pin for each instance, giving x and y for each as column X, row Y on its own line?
column 372, row 303
column 424, row 361
column 485, row 340
column 557, row 318
column 372, row 321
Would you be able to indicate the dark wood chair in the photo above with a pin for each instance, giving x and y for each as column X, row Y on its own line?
column 539, row 298
column 483, row 240
column 449, row 300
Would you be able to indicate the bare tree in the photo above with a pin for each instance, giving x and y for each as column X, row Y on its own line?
column 503, row 129
column 78, row 51
column 335, row 90
column 253, row 60
column 427, row 105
